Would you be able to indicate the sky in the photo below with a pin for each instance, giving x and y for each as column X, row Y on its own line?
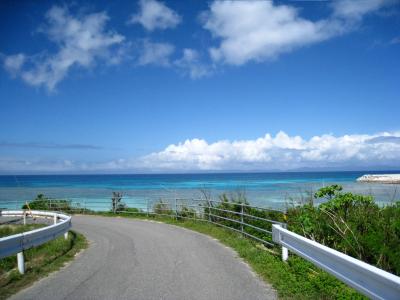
column 198, row 86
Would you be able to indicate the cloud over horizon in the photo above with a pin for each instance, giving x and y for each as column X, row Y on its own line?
column 281, row 152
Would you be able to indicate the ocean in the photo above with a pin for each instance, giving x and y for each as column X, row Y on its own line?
column 270, row 190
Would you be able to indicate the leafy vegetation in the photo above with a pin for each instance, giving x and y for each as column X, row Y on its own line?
column 353, row 224
column 41, row 202
column 162, row 208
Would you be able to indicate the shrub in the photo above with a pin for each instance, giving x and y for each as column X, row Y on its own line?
column 162, row 208
column 353, row 224
column 185, row 212
column 41, row 202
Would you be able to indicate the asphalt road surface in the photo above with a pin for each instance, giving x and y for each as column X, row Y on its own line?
column 134, row 259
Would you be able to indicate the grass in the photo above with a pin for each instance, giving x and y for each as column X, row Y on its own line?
column 295, row 279
column 6, row 230
column 39, row 261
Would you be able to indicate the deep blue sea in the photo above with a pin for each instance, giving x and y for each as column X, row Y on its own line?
column 274, row 190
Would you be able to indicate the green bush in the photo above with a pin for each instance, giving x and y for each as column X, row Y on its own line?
column 185, row 212
column 163, row 208
column 353, row 224
column 41, row 202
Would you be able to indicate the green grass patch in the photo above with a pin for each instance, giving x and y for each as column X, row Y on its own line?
column 39, row 261
column 6, row 230
column 294, row 279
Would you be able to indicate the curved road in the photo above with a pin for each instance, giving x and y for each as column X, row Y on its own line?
column 134, row 259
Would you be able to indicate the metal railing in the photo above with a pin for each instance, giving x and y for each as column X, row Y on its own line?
column 367, row 279
column 17, row 243
column 220, row 213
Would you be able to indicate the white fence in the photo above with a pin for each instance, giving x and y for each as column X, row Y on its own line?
column 17, row 243
column 369, row 280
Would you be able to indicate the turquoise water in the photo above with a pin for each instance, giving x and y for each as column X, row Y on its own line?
column 273, row 190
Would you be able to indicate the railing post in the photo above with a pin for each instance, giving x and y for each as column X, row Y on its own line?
column 195, row 211
column 241, row 217
column 21, row 263
column 24, row 217
column 176, row 210
column 66, row 235
column 55, row 218
column 285, row 251
column 209, row 210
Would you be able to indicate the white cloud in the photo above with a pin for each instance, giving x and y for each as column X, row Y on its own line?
column 81, row 41
column 155, row 15
column 260, row 30
column 13, row 63
column 155, row 53
column 357, row 9
column 281, row 152
column 191, row 64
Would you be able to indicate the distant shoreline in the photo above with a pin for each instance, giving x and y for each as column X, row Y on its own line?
column 380, row 178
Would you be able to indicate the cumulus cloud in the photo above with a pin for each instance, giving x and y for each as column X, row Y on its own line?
column 80, row 41
column 267, row 153
column 155, row 15
column 260, row 30
column 279, row 152
column 155, row 53
column 191, row 64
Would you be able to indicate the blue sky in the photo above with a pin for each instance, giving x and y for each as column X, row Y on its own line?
column 178, row 86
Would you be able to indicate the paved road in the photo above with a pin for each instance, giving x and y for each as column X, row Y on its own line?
column 134, row 259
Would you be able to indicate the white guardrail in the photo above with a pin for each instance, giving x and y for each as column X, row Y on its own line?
column 368, row 280
column 17, row 243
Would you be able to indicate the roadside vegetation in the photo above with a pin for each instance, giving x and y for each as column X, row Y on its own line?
column 41, row 202
column 39, row 261
column 350, row 223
